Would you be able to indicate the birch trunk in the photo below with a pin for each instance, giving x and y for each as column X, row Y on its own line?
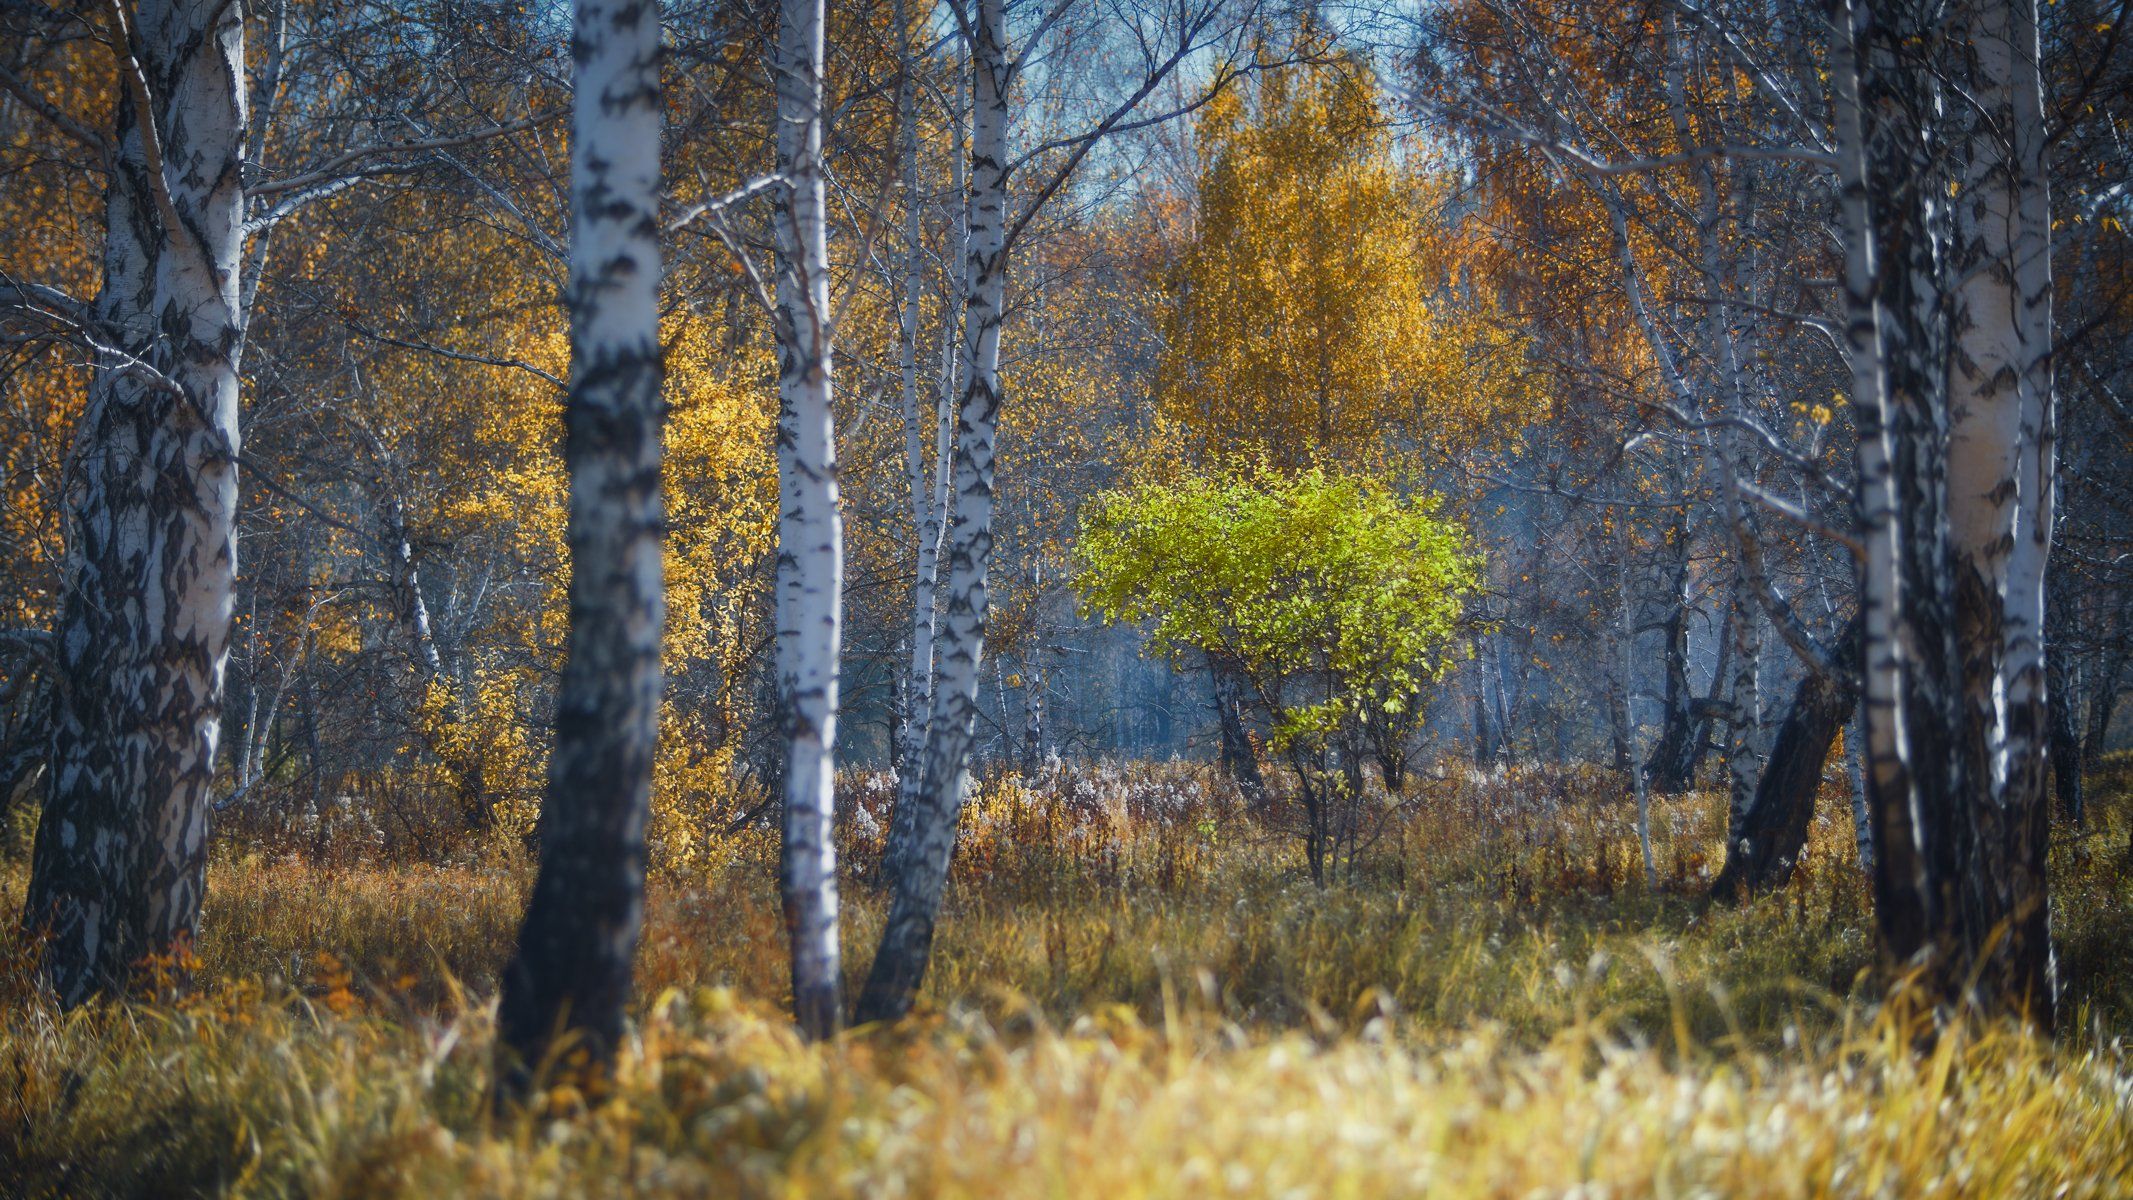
column 1670, row 768
column 143, row 629
column 1772, row 833
column 1729, row 454
column 564, row 990
column 929, row 503
column 810, row 531
column 1855, row 775
column 1640, row 778
column 1964, row 379
column 1239, row 759
column 920, row 861
column 406, row 584
column 917, row 686
column 1901, row 895
column 2000, row 475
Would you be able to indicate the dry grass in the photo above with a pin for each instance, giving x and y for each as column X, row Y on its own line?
column 1136, row 993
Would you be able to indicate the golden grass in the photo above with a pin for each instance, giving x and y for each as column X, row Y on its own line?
column 1136, row 994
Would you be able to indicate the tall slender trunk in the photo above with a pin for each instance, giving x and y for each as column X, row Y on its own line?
column 1670, row 768
column 921, row 858
column 1855, row 775
column 143, row 630
column 1901, row 896
column 2000, row 477
column 810, row 531
column 1728, row 452
column 1640, row 776
column 406, row 583
column 2065, row 741
column 1033, row 685
column 564, row 990
column 929, row 503
column 917, row 685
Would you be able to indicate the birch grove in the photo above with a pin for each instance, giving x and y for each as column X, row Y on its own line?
column 606, row 454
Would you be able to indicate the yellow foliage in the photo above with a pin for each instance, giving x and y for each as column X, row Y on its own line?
column 1322, row 309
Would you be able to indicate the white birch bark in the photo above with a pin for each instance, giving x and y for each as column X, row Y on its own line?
column 919, row 861
column 810, row 594
column 1900, row 880
column 571, row 973
column 927, row 516
column 1626, row 663
column 146, row 606
column 1728, row 452
column 2000, row 477
column 2000, row 450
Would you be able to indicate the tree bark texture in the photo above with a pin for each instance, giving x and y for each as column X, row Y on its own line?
column 564, row 990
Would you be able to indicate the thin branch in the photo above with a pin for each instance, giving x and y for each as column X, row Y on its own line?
column 460, row 355
column 339, row 165
column 52, row 113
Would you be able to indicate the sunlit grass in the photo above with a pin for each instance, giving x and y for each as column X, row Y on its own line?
column 1137, row 992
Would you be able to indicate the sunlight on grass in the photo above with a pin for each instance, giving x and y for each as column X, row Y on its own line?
column 1137, row 994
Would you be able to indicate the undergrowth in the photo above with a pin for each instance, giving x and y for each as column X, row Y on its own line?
column 1136, row 991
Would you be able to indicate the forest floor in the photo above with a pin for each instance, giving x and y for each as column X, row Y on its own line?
column 1137, row 992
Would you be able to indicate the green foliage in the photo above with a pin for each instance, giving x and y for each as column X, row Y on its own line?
column 1336, row 595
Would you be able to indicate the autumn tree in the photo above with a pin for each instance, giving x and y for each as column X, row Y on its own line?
column 1163, row 38
column 811, row 533
column 1317, row 314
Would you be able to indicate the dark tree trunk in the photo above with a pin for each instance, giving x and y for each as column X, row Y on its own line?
column 1667, row 768
column 1239, row 760
column 1685, row 738
column 1484, row 742
column 2066, row 758
column 1773, row 831
column 2103, row 700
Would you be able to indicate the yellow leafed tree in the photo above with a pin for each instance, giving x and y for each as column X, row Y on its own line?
column 1320, row 311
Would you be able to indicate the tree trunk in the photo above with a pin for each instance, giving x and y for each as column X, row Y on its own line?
column 1955, row 516
column 1240, row 761
column 2065, row 751
column 920, row 845
column 1033, row 685
column 564, row 990
column 1855, row 773
column 1901, row 894
column 2001, row 467
column 929, row 500
column 1763, row 849
column 143, row 629
column 810, row 532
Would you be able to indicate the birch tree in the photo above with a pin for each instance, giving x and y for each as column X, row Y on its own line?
column 564, row 990
column 810, row 531
column 923, row 828
column 928, row 488
column 1951, row 332
column 196, row 180
column 143, row 631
